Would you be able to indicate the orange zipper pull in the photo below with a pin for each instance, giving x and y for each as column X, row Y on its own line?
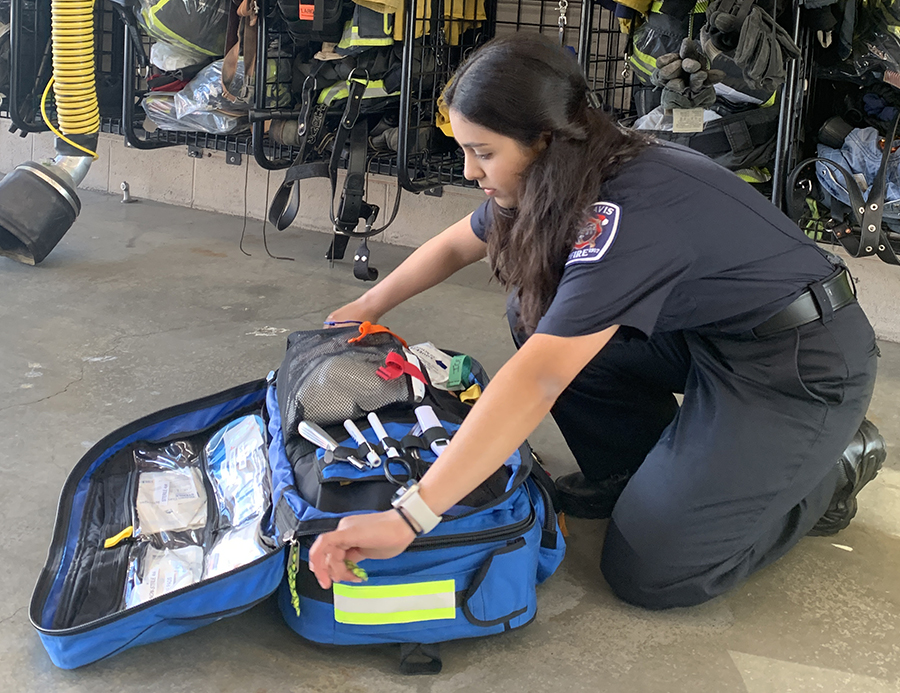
column 368, row 328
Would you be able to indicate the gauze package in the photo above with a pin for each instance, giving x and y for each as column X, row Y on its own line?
column 171, row 495
column 238, row 468
column 154, row 572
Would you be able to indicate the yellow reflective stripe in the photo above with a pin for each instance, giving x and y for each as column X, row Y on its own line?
column 354, row 40
column 374, row 90
column 152, row 21
column 642, row 61
column 389, row 604
column 333, row 93
column 699, row 8
column 770, row 101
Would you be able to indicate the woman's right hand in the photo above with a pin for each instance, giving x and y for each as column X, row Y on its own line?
column 352, row 312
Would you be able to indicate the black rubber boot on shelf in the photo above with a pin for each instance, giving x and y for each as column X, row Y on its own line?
column 590, row 500
column 859, row 465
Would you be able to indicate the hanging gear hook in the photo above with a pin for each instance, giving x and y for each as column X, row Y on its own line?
column 563, row 8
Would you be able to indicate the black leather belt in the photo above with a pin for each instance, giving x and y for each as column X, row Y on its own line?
column 820, row 300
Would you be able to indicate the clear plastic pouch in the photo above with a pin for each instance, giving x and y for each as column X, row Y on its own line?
column 238, row 469
column 232, row 549
column 153, row 572
column 170, row 501
column 206, row 92
column 160, row 109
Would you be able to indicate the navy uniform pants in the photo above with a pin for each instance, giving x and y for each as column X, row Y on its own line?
column 730, row 480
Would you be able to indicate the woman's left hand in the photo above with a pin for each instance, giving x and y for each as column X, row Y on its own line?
column 357, row 537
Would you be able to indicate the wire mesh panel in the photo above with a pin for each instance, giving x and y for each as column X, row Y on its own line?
column 438, row 38
column 31, row 63
column 109, row 60
column 275, row 111
column 453, row 28
column 603, row 58
column 142, row 133
column 4, row 58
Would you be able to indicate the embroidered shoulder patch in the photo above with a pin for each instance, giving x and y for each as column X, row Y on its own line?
column 597, row 236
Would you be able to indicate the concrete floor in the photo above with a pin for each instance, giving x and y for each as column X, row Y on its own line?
column 143, row 306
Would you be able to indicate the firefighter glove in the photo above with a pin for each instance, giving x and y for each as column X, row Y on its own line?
column 685, row 78
column 762, row 51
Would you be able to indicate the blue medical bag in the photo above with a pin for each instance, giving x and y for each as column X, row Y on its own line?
column 125, row 568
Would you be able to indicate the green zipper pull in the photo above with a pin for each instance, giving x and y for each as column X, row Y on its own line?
column 292, row 568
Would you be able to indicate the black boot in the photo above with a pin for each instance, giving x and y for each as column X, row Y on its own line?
column 859, row 464
column 591, row 500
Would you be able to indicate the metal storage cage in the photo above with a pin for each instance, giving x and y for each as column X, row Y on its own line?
column 31, row 64
column 447, row 34
column 793, row 126
column 134, row 88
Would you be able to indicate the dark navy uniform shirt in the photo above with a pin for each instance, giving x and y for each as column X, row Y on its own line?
column 676, row 242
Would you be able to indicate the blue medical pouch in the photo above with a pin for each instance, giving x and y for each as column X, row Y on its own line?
column 137, row 557
column 78, row 602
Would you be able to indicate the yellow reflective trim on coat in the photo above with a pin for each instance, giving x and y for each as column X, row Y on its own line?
column 390, row 604
column 374, row 90
column 354, row 39
column 642, row 61
column 770, row 101
column 150, row 18
column 699, row 8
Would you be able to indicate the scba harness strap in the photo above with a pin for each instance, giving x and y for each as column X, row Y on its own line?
column 352, row 134
column 866, row 213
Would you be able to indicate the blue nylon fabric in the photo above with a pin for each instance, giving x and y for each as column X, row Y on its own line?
column 316, row 621
column 504, row 591
column 548, row 559
column 189, row 422
column 282, row 472
column 508, row 586
column 168, row 615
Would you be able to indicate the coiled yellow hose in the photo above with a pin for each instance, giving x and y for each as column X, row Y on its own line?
column 73, row 71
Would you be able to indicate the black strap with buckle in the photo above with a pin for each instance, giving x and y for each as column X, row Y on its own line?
column 821, row 300
column 865, row 212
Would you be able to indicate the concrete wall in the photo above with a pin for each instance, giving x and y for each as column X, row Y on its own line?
column 208, row 183
column 170, row 175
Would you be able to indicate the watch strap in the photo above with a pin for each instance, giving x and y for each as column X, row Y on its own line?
column 417, row 510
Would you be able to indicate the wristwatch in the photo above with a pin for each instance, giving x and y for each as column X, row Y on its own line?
column 410, row 504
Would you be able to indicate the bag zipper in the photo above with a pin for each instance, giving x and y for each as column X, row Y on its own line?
column 124, row 613
column 425, row 543
column 486, row 536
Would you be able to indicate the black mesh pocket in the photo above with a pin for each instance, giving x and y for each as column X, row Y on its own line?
column 324, row 379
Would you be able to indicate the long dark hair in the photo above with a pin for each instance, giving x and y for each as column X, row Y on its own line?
column 525, row 87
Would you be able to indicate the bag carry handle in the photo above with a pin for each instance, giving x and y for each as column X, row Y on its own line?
column 420, row 658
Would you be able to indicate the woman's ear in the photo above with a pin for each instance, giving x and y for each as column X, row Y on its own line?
column 543, row 142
